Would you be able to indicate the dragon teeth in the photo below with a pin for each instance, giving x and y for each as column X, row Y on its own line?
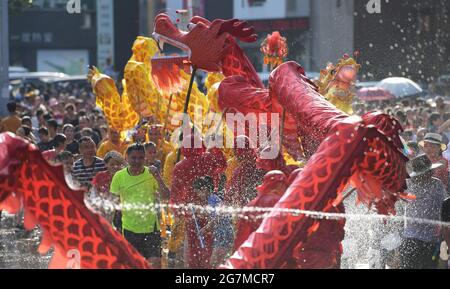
column 161, row 45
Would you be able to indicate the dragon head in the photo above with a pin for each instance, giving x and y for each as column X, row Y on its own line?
column 345, row 71
column 206, row 42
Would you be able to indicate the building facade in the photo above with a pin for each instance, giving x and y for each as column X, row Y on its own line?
column 51, row 37
column 292, row 18
column 332, row 31
column 407, row 38
column 310, row 26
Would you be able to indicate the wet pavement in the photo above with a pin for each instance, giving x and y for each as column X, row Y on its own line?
column 18, row 248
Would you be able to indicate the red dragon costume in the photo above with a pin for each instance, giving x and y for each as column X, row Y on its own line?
column 365, row 152
column 77, row 234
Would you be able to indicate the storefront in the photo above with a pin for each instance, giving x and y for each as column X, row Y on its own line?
column 70, row 42
column 291, row 18
column 67, row 43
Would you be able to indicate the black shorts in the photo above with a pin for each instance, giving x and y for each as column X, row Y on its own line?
column 148, row 245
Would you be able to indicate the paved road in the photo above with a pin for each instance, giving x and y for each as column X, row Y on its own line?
column 18, row 248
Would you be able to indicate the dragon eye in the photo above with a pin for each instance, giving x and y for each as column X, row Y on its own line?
column 191, row 26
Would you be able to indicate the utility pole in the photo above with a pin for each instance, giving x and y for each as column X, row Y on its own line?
column 143, row 17
column 190, row 8
column 4, row 57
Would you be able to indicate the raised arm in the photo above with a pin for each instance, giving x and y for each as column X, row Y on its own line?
column 164, row 190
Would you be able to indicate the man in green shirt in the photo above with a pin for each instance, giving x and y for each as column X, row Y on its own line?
column 138, row 186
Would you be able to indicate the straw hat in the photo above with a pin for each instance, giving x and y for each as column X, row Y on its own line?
column 434, row 138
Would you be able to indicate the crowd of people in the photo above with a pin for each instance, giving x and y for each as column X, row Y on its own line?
column 426, row 124
column 141, row 170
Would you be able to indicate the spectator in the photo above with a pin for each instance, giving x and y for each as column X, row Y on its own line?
column 52, row 126
column 414, row 149
column 83, row 122
column 444, row 256
column 102, row 182
column 66, row 159
column 433, row 147
column 85, row 169
column 441, row 106
column 434, row 122
column 444, row 129
column 11, row 123
column 408, row 136
column 410, row 120
column 114, row 163
column 26, row 120
column 103, row 129
column 70, row 117
column 419, row 243
column 90, row 133
column 113, row 143
column 72, row 145
column 59, row 144
column 401, row 116
column 47, row 117
column 151, row 156
column 38, row 120
column 45, row 144
column 25, row 132
column 421, row 134
column 156, row 136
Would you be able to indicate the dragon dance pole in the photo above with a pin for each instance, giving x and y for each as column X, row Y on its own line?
column 186, row 106
column 167, row 115
column 197, row 227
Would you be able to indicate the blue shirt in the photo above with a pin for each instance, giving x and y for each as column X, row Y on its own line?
column 223, row 231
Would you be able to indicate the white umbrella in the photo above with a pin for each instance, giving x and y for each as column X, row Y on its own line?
column 400, row 86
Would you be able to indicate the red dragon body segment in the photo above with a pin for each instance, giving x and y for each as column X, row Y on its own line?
column 343, row 150
column 67, row 224
column 314, row 115
column 351, row 150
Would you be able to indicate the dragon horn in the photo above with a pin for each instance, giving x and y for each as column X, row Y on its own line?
column 239, row 29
